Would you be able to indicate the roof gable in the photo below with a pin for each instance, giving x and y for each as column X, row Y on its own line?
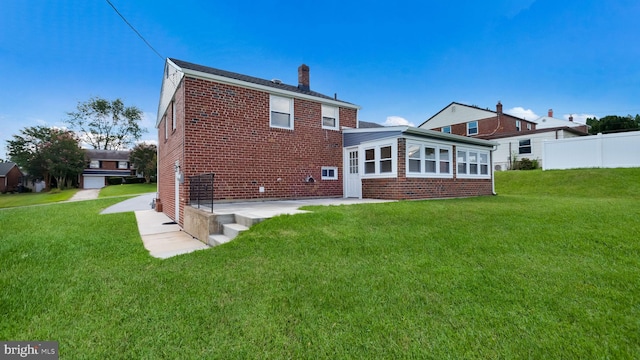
column 456, row 113
column 5, row 167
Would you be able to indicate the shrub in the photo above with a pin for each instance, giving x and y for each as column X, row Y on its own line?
column 526, row 164
column 114, row 180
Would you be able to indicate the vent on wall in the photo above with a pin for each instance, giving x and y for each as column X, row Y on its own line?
column 276, row 81
column 453, row 109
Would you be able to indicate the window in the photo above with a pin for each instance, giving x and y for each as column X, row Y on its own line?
column 380, row 160
column 94, row 164
column 281, row 112
column 446, row 129
column 524, row 146
column 518, row 124
column 473, row 163
column 472, row 127
column 166, row 127
column 330, row 116
column 426, row 159
column 329, row 173
column 173, row 115
column 123, row 165
column 528, row 126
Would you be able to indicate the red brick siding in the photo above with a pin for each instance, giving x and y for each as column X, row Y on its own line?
column 226, row 131
column 10, row 181
column 507, row 124
column 404, row 188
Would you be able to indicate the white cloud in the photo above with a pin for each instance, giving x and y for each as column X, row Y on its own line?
column 579, row 118
column 520, row 112
column 397, row 121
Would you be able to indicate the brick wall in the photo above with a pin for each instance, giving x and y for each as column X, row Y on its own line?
column 404, row 188
column 507, row 124
column 226, row 131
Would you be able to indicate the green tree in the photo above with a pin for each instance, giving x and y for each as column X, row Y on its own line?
column 106, row 125
column 64, row 158
column 144, row 158
column 27, row 150
column 613, row 123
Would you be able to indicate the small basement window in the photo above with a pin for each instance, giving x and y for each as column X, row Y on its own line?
column 329, row 173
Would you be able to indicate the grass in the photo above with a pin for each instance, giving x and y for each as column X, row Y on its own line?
column 127, row 189
column 26, row 199
column 537, row 272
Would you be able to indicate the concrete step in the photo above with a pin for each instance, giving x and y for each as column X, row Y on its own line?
column 232, row 230
column 218, row 239
column 247, row 220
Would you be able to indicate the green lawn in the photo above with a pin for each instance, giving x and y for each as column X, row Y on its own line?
column 26, row 199
column 548, row 269
column 127, row 189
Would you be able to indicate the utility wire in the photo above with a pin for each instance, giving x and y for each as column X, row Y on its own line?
column 136, row 31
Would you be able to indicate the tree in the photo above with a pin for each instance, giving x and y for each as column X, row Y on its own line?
column 64, row 158
column 106, row 125
column 613, row 123
column 27, row 150
column 144, row 158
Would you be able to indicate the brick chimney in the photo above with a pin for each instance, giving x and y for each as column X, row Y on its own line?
column 550, row 113
column 499, row 107
column 571, row 118
column 303, row 77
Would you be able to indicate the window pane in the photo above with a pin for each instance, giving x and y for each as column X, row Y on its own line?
column 444, row 154
column 473, row 157
column 444, row 167
column 328, row 122
column 369, row 168
column 280, row 119
column 280, row 104
column 95, row 164
column 484, row 158
column 414, row 151
column 462, row 168
column 414, row 166
column 430, row 153
column 385, row 166
column 369, row 154
column 430, row 166
column 385, row 152
column 484, row 169
column 324, row 172
column 473, row 169
column 462, row 156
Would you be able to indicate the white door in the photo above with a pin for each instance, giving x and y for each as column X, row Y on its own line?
column 353, row 185
column 177, row 193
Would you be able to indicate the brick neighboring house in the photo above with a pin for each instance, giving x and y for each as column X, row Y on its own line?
column 467, row 120
column 267, row 140
column 10, row 177
column 103, row 164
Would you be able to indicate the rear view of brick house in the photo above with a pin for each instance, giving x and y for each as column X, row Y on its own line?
column 261, row 138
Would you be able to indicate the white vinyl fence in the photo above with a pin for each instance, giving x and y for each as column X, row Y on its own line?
column 597, row 151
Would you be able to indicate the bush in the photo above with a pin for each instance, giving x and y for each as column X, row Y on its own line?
column 114, row 180
column 526, row 164
column 133, row 180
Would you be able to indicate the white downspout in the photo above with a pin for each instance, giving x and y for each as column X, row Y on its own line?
column 493, row 172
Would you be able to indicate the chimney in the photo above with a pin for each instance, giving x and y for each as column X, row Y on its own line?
column 303, row 77
column 570, row 117
column 499, row 107
column 550, row 113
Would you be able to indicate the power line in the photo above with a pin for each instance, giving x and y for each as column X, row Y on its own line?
column 136, row 31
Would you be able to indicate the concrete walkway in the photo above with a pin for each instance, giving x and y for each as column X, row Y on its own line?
column 85, row 194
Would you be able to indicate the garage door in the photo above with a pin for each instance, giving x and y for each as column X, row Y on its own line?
column 93, row 182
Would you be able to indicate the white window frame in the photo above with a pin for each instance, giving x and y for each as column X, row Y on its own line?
column 376, row 147
column 475, row 127
column 173, row 115
column 446, row 129
column 272, row 99
column 326, row 171
column 478, row 164
column 94, row 164
column 528, row 126
column 438, row 160
column 521, row 146
column 518, row 125
column 123, row 165
column 166, row 127
column 331, row 112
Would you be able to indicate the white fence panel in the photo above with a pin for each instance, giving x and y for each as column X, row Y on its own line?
column 608, row 151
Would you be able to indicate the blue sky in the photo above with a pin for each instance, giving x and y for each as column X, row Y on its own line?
column 401, row 61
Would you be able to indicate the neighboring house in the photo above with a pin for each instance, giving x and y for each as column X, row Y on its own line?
column 10, row 177
column 527, row 144
column 547, row 122
column 267, row 140
column 103, row 164
column 467, row 120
